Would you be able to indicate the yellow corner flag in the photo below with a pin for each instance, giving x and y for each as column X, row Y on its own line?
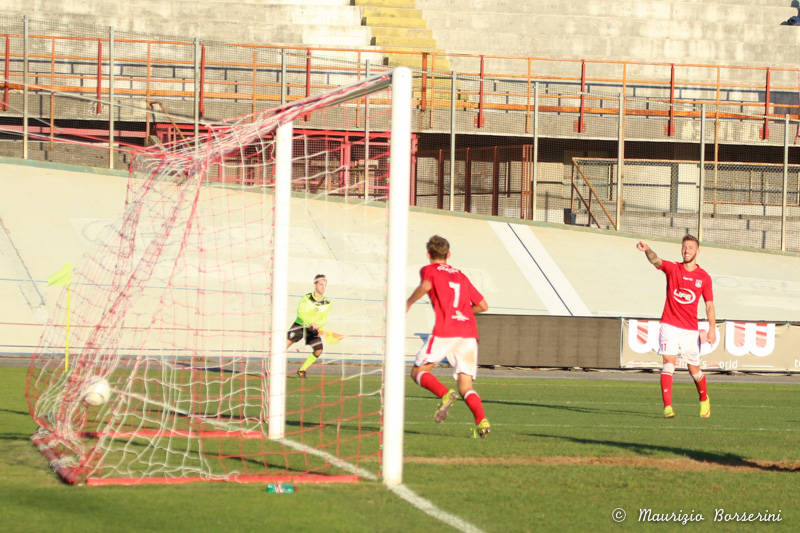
column 64, row 278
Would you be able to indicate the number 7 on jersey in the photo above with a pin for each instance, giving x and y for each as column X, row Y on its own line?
column 457, row 290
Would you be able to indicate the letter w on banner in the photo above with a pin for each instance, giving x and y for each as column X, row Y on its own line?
column 757, row 338
column 643, row 336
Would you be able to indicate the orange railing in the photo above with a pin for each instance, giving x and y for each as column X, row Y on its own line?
column 313, row 70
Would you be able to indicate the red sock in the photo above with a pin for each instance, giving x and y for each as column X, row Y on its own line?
column 475, row 405
column 429, row 381
column 701, row 388
column 666, row 388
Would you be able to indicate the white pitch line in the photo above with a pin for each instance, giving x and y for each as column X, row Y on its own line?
column 344, row 465
column 427, row 507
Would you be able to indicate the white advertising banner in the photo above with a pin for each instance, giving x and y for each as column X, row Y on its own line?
column 742, row 346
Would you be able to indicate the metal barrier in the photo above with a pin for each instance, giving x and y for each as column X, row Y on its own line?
column 83, row 60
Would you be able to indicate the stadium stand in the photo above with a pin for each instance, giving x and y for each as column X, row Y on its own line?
column 730, row 32
column 333, row 23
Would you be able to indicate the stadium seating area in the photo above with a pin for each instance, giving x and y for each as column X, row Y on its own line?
column 315, row 22
column 730, row 32
column 727, row 32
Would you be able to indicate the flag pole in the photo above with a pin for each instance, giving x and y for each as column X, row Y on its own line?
column 66, row 340
column 64, row 278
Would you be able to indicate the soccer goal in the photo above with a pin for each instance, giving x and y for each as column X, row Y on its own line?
column 177, row 367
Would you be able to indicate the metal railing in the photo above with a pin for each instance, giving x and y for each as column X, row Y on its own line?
column 111, row 92
column 575, row 190
column 64, row 61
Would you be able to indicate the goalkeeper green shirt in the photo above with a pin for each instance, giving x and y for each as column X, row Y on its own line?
column 311, row 311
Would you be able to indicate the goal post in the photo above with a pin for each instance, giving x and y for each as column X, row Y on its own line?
column 184, row 304
column 399, row 176
column 280, row 264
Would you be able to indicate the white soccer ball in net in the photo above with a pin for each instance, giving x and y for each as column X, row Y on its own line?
column 97, row 391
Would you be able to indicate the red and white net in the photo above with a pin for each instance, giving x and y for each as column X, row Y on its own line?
column 173, row 308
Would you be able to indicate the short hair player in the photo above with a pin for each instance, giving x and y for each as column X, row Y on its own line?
column 455, row 333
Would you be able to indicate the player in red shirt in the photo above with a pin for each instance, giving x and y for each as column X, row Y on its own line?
column 678, row 335
column 455, row 334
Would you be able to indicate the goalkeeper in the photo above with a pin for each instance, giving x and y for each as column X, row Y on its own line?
column 312, row 315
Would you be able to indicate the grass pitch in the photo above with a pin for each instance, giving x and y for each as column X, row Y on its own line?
column 563, row 454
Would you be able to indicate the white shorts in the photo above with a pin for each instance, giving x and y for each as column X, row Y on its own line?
column 460, row 352
column 682, row 342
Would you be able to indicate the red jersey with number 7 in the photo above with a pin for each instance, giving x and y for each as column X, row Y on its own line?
column 452, row 296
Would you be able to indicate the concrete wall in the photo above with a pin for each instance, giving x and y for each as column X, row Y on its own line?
column 727, row 32
column 309, row 22
column 51, row 214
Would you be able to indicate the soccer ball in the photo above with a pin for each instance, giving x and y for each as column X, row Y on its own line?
column 97, row 391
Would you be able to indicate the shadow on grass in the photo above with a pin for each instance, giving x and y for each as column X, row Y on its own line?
column 723, row 459
column 15, row 436
column 558, row 407
column 26, row 413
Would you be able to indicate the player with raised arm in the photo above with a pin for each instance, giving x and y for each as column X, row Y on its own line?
column 312, row 315
column 678, row 335
column 455, row 333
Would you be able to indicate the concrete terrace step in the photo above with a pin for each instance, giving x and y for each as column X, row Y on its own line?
column 394, row 22
column 389, row 31
column 744, row 12
column 588, row 27
column 294, row 34
column 328, row 22
column 765, row 3
column 90, row 156
column 414, row 59
column 386, row 3
column 726, row 52
column 398, row 25
column 512, row 43
column 391, row 12
column 415, row 43
column 686, row 31
column 165, row 14
column 251, row 14
column 332, row 3
column 321, row 35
